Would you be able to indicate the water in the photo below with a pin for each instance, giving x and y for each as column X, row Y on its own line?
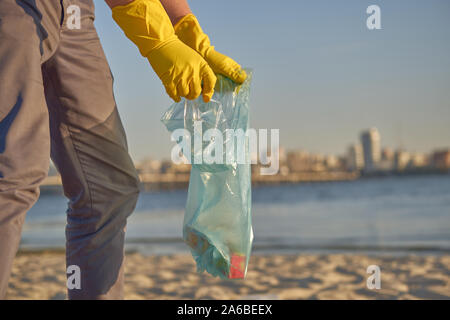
column 394, row 214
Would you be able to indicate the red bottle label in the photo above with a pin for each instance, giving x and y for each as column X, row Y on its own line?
column 237, row 267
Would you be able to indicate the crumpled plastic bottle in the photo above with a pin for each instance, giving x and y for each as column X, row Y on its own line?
column 217, row 223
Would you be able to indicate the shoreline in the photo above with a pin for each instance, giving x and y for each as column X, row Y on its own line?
column 180, row 181
column 367, row 251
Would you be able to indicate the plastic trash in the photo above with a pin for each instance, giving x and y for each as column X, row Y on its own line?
column 217, row 221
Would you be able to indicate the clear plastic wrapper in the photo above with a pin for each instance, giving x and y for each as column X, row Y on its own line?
column 217, row 222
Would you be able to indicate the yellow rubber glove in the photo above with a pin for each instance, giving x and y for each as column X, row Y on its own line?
column 181, row 69
column 189, row 31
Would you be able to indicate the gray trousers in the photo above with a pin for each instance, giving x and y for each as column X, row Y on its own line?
column 56, row 99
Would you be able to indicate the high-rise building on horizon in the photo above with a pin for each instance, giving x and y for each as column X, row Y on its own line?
column 402, row 159
column 355, row 157
column 370, row 141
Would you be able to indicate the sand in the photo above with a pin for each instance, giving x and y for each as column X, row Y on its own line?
column 307, row 276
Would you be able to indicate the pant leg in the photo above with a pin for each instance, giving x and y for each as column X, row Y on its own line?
column 27, row 36
column 89, row 148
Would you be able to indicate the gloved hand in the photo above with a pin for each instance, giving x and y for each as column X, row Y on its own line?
column 189, row 31
column 183, row 71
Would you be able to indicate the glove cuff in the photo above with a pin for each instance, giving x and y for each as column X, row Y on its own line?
column 189, row 31
column 185, row 22
column 146, row 23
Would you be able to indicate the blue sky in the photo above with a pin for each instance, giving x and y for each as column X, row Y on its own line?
column 320, row 76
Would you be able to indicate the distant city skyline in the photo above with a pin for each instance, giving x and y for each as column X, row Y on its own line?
column 365, row 156
column 320, row 75
column 366, row 150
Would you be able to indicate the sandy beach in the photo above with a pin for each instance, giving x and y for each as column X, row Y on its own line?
column 334, row 276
